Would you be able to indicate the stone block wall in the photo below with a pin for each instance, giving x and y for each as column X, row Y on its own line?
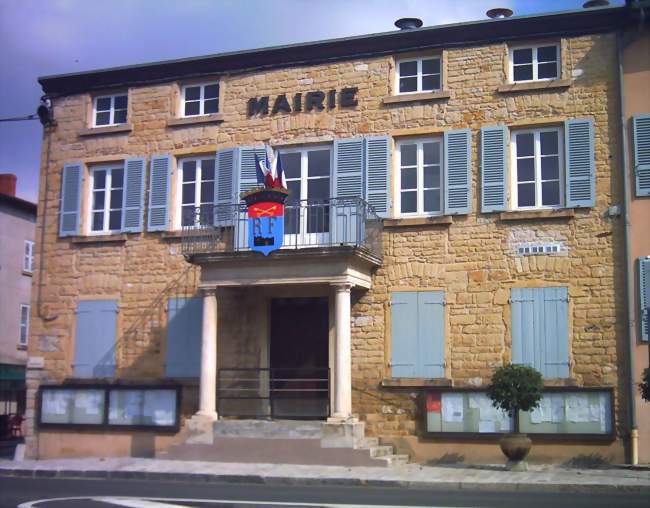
column 473, row 259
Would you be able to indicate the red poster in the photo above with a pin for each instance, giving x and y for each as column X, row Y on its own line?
column 433, row 403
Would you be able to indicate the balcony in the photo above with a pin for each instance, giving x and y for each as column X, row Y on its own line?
column 337, row 240
column 309, row 224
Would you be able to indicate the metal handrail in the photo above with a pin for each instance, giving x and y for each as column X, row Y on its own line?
column 308, row 223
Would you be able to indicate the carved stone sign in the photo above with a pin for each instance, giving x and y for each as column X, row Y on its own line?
column 311, row 101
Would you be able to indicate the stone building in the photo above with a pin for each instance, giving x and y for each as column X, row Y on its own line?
column 453, row 208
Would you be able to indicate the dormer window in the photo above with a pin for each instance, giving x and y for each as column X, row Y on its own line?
column 110, row 110
column 198, row 100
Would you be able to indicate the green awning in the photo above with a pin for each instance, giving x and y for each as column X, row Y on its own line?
column 12, row 377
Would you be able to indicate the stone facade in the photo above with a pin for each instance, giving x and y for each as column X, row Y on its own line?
column 472, row 258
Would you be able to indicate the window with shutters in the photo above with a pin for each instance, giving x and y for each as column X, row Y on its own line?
column 641, row 144
column 106, row 199
column 183, row 355
column 95, row 338
column 418, row 75
column 540, row 329
column 534, row 63
column 200, row 99
column 196, row 180
column 24, row 325
column 417, row 334
column 537, row 162
column 419, row 179
column 644, row 297
column 110, row 110
column 28, row 258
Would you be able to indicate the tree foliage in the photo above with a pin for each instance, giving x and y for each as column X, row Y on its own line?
column 515, row 387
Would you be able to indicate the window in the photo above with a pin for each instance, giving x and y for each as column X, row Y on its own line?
column 534, row 63
column 307, row 172
column 417, row 334
column 28, row 259
column 183, row 352
column 537, row 161
column 110, row 110
column 200, row 99
column 420, row 177
column 24, row 325
column 107, row 186
column 196, row 178
column 540, row 330
column 418, row 75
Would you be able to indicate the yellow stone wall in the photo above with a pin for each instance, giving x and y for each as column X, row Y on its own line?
column 472, row 259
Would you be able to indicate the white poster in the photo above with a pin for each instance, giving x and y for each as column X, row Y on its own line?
column 577, row 408
column 557, row 408
column 452, row 407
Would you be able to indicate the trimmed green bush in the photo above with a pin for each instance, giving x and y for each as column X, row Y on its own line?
column 516, row 387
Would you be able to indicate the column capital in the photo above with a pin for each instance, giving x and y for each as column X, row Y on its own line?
column 343, row 287
column 209, row 291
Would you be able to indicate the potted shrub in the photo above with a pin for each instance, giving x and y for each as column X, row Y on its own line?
column 514, row 388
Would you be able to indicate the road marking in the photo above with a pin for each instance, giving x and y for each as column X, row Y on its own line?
column 165, row 502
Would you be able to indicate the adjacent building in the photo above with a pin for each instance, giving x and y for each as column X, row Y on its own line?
column 17, row 231
column 456, row 197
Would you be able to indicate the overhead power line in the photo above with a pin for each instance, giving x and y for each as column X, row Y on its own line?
column 19, row 118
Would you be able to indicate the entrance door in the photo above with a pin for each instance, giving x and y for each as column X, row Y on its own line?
column 299, row 358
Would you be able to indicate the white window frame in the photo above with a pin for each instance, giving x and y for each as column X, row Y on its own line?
column 419, row 74
column 538, row 168
column 28, row 258
column 198, row 182
column 201, row 99
column 23, row 336
column 310, row 238
column 107, row 198
column 111, row 111
column 420, row 178
column 535, row 48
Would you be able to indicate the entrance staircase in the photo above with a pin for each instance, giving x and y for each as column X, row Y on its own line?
column 281, row 442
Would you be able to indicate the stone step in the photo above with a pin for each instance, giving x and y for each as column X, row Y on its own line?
column 393, row 460
column 380, row 451
column 276, row 429
column 369, row 442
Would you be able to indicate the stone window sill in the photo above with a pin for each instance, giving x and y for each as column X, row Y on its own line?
column 172, row 235
column 419, row 221
column 195, row 120
column 565, row 213
column 416, row 97
column 21, row 347
column 28, row 274
column 568, row 382
column 112, row 129
column 415, row 382
column 536, row 85
column 82, row 240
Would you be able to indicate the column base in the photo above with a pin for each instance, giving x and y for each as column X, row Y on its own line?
column 346, row 433
column 200, row 428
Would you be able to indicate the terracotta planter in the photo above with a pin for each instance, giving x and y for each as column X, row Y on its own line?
column 515, row 446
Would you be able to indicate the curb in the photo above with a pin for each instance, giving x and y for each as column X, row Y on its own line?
column 312, row 481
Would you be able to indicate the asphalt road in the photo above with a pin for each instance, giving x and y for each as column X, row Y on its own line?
column 14, row 491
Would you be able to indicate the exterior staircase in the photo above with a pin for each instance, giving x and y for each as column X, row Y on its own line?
column 281, row 442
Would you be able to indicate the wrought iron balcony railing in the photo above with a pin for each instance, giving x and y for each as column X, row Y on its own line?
column 307, row 224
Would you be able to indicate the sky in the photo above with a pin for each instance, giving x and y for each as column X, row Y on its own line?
column 46, row 37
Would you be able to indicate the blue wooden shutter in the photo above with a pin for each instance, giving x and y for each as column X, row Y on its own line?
column 95, row 338
column 224, row 190
column 404, row 334
column 641, row 135
column 246, row 180
column 494, row 196
column 644, row 296
column 159, row 193
column 458, row 172
column 580, row 165
column 431, row 334
column 540, row 335
column 70, row 204
column 377, row 158
column 134, row 172
column 347, row 182
column 184, row 322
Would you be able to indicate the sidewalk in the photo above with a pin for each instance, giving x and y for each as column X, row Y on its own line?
column 546, row 478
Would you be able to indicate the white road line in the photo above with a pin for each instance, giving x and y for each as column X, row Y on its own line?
column 165, row 502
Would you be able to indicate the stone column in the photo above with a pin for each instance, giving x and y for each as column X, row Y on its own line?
column 343, row 372
column 208, row 386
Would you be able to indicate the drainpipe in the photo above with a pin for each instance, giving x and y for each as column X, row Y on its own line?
column 629, row 268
